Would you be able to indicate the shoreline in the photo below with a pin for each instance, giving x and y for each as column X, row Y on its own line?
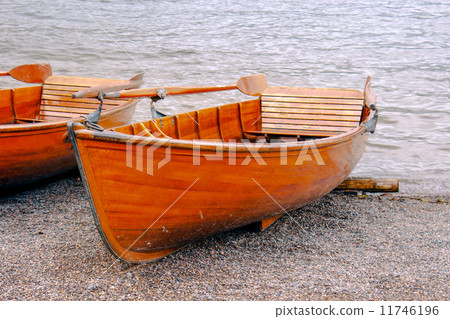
column 342, row 247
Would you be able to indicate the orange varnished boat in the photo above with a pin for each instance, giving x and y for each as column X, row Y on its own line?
column 33, row 121
column 161, row 184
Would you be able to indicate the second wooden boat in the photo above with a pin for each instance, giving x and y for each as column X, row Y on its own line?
column 33, row 121
column 171, row 181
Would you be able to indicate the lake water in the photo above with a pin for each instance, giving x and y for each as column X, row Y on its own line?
column 404, row 45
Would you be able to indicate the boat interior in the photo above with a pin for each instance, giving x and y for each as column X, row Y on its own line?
column 281, row 113
column 51, row 101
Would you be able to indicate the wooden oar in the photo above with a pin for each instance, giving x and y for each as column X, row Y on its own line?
column 30, row 73
column 251, row 85
column 93, row 91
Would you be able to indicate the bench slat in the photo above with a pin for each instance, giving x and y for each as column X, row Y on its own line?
column 311, row 100
column 68, row 88
column 315, row 92
column 58, row 114
column 81, row 100
column 305, row 127
column 292, row 133
column 71, row 110
column 311, row 117
column 350, row 107
column 77, row 105
column 309, row 122
column 308, row 111
column 78, row 81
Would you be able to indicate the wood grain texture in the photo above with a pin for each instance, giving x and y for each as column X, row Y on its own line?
column 31, row 143
column 187, row 125
column 370, row 184
column 332, row 93
column 30, row 73
column 6, row 108
column 167, row 126
column 147, row 206
column 145, row 213
column 229, row 123
column 57, row 103
column 208, row 120
column 26, row 101
column 310, row 111
column 250, row 114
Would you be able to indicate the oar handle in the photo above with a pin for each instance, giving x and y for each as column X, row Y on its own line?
column 3, row 73
column 93, row 91
column 170, row 90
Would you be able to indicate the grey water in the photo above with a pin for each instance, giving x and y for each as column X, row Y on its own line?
column 403, row 45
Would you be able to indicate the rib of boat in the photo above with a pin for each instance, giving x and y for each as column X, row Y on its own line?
column 33, row 120
column 158, row 185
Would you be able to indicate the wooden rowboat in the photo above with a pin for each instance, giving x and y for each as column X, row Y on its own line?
column 173, row 180
column 33, row 121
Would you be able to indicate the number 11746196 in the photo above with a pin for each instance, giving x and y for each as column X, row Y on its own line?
column 409, row 310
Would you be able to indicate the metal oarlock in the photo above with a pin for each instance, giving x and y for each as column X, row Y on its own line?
column 161, row 95
column 91, row 120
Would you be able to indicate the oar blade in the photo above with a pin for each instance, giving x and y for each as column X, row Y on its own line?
column 252, row 84
column 31, row 73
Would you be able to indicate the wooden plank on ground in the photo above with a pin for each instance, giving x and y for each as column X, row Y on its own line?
column 370, row 184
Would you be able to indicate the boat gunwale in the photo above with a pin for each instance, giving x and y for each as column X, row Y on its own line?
column 22, row 127
column 205, row 145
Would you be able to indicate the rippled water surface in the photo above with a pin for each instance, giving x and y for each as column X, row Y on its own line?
column 404, row 45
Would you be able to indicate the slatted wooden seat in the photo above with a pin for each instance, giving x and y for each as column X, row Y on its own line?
column 58, row 105
column 309, row 111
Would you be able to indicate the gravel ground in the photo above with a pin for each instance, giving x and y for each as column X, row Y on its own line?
column 343, row 247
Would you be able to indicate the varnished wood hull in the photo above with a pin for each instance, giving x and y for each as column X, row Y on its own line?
column 143, row 217
column 30, row 152
column 158, row 185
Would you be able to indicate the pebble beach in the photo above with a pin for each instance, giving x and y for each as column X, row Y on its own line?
column 346, row 246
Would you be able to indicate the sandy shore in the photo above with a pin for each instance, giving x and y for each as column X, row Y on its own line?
column 343, row 247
